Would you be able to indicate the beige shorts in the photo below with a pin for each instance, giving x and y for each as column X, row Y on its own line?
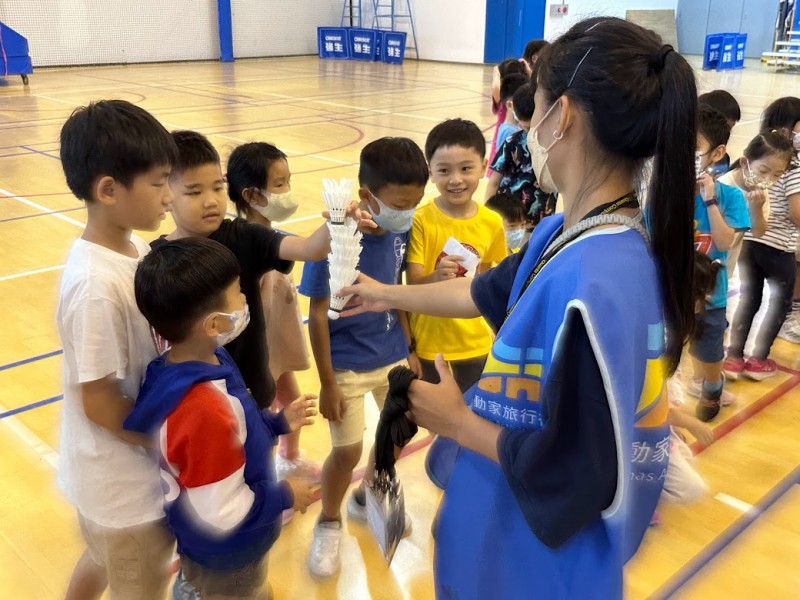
column 354, row 386
column 137, row 559
column 246, row 583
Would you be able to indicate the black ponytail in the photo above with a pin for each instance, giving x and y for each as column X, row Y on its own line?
column 641, row 100
column 670, row 207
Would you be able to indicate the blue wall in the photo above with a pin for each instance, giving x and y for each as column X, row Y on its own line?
column 510, row 24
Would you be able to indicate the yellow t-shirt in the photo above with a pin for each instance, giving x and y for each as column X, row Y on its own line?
column 456, row 339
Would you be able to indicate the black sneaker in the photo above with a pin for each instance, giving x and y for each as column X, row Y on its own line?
column 708, row 406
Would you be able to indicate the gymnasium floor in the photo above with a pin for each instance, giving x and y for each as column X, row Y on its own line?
column 741, row 541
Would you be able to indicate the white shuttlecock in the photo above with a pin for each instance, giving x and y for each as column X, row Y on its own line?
column 344, row 258
column 337, row 196
column 339, row 280
column 344, row 233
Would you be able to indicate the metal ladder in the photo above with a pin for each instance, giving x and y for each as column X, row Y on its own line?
column 387, row 16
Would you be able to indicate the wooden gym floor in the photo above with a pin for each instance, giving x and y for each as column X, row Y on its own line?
column 741, row 541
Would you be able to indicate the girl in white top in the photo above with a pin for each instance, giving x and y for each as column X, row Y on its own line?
column 769, row 257
column 765, row 159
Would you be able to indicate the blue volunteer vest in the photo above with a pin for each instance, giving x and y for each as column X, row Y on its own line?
column 484, row 546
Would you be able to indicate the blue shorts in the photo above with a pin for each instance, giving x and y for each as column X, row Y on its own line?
column 708, row 339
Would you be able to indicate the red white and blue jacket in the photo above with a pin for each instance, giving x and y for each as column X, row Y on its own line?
column 221, row 496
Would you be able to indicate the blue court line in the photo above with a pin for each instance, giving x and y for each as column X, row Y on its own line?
column 25, row 361
column 14, row 411
column 722, row 541
column 40, row 152
column 44, row 214
column 31, row 406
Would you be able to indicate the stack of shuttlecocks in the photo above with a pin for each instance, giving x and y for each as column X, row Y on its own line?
column 345, row 241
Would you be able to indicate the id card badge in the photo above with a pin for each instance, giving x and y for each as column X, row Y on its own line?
column 386, row 513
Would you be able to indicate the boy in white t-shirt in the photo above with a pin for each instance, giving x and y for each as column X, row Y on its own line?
column 116, row 158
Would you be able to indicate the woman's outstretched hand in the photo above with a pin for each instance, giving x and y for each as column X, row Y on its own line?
column 368, row 295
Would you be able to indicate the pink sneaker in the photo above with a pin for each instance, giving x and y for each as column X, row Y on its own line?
column 733, row 368
column 759, row 370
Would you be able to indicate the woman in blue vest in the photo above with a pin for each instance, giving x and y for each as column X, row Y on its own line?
column 564, row 440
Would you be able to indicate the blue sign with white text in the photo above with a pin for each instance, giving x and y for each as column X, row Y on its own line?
column 333, row 42
column 394, row 47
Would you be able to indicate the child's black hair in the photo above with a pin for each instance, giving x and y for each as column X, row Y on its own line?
column 455, row 132
column 640, row 100
column 724, row 102
column 532, row 49
column 181, row 281
column 392, row 160
column 767, row 143
column 112, row 138
column 523, row 102
column 508, row 206
column 783, row 113
column 509, row 66
column 705, row 276
column 510, row 84
column 711, row 124
column 248, row 167
column 194, row 150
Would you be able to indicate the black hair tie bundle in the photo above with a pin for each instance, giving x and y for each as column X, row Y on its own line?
column 394, row 427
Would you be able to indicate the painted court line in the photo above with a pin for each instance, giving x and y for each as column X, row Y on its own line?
column 15, row 411
column 749, row 411
column 729, row 535
column 33, row 272
column 735, row 503
column 51, row 212
column 30, row 439
column 26, row 361
column 44, row 209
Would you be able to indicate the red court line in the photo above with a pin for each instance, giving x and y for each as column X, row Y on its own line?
column 750, row 410
column 358, row 474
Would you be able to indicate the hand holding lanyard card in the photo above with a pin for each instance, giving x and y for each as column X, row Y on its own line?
column 470, row 261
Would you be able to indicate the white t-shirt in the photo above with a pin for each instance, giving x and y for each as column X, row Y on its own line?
column 781, row 232
column 110, row 482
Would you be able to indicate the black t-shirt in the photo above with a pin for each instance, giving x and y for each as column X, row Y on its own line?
column 564, row 475
column 257, row 249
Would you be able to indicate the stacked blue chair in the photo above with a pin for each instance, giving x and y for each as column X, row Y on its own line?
column 14, row 56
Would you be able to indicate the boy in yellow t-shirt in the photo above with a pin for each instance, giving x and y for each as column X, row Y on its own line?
column 456, row 152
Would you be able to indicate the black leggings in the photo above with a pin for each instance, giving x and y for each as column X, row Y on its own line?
column 757, row 263
column 466, row 372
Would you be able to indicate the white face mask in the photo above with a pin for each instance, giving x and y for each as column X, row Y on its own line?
column 391, row 219
column 239, row 319
column 539, row 155
column 515, row 237
column 796, row 141
column 279, row 206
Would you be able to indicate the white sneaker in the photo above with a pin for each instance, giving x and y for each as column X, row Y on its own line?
column 791, row 329
column 358, row 512
column 323, row 559
column 695, row 388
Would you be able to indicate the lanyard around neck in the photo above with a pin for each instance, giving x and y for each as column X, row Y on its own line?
column 627, row 201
